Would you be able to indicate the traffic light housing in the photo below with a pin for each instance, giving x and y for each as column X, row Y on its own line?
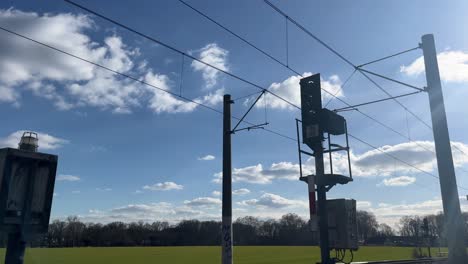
column 311, row 104
column 315, row 119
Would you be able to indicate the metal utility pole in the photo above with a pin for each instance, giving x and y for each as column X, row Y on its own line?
column 322, row 205
column 313, row 136
column 226, row 243
column 448, row 183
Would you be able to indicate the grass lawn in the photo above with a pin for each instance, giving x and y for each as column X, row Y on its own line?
column 202, row 255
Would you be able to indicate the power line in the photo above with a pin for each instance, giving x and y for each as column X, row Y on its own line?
column 228, row 73
column 179, row 51
column 356, row 68
column 291, row 69
column 341, row 57
column 236, row 35
column 190, row 56
column 362, row 71
column 134, row 79
column 328, row 47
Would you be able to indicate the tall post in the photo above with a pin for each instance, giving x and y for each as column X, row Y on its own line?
column 312, row 135
column 16, row 247
column 227, row 184
column 448, row 183
column 322, row 205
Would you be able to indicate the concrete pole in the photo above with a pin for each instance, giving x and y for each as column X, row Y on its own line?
column 448, row 182
column 226, row 244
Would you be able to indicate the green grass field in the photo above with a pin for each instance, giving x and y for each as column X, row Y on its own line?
column 202, row 255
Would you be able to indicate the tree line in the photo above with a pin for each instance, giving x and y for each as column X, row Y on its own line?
column 290, row 229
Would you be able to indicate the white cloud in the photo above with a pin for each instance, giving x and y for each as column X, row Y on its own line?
column 151, row 212
column 103, row 189
column 214, row 55
column 212, row 98
column 163, row 186
column 372, row 163
column 290, row 90
column 64, row 177
column 203, row 202
column 417, row 153
column 453, row 66
column 270, row 200
column 391, row 213
column 207, row 157
column 363, row 205
column 399, row 181
column 28, row 66
column 216, row 193
column 242, row 191
column 76, row 192
column 46, row 141
column 257, row 174
column 70, row 83
column 162, row 101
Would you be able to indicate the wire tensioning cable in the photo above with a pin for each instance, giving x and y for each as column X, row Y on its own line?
column 181, row 74
column 375, row 101
column 391, row 79
column 388, row 57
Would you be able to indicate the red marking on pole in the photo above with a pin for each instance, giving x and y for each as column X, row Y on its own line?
column 312, row 201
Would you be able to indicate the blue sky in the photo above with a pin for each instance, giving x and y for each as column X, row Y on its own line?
column 128, row 152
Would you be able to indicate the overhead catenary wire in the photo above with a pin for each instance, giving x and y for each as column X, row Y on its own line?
column 333, row 95
column 169, row 92
column 230, row 74
column 179, row 51
column 236, row 35
column 341, row 57
column 139, row 80
column 320, row 41
column 359, row 69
